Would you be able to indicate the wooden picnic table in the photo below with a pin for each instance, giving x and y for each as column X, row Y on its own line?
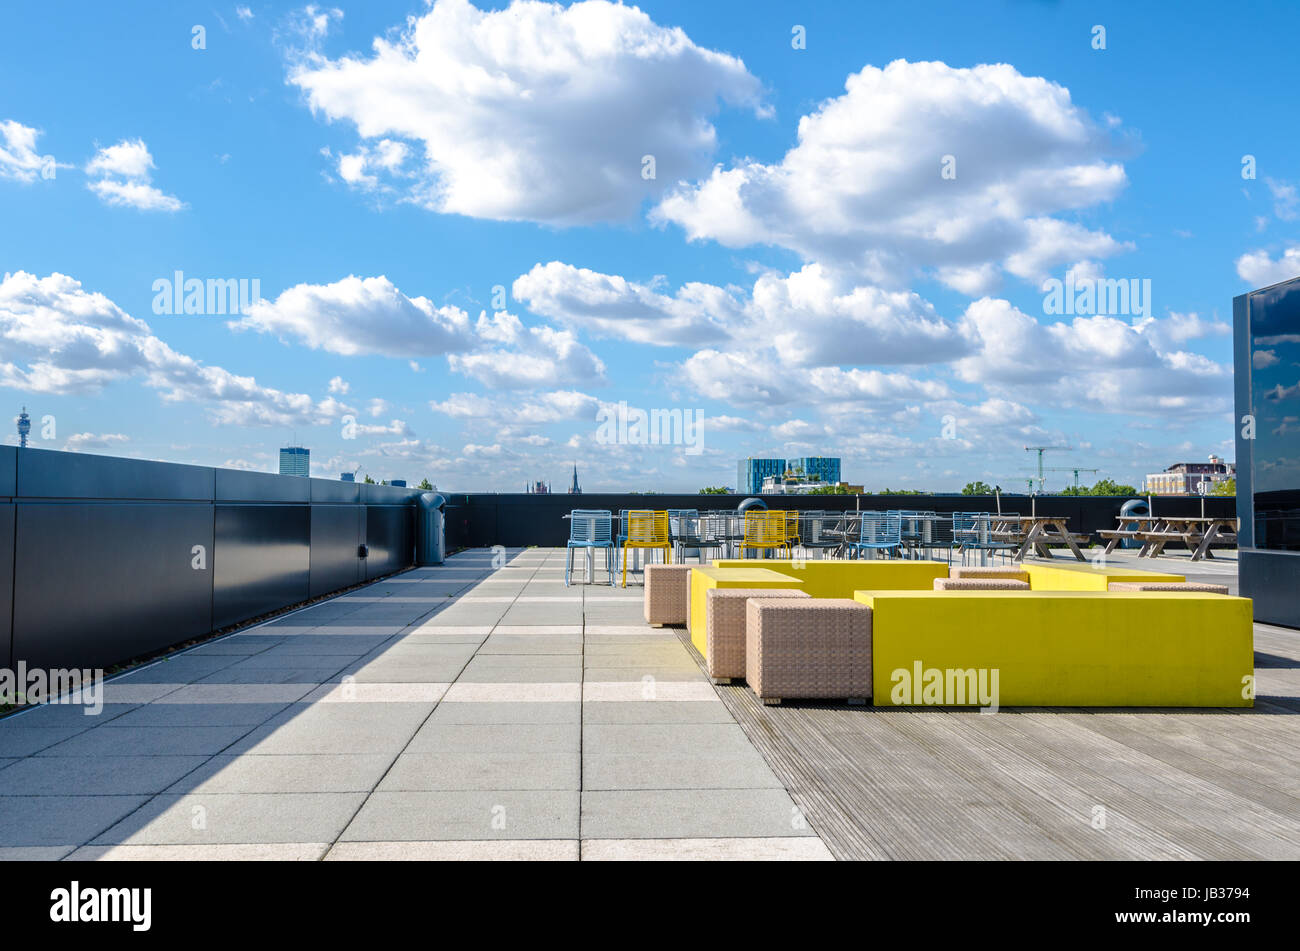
column 1041, row 530
column 1198, row 533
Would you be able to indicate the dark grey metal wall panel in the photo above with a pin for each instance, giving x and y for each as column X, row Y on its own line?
column 261, row 562
column 337, row 531
column 1243, row 402
column 390, row 536
column 6, row 583
column 8, row 470
column 329, row 490
column 1271, row 579
column 386, row 494
column 100, row 583
column 46, row 473
column 234, row 485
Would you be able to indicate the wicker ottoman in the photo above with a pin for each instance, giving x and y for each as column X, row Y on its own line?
column 724, row 611
column 980, row 584
column 1168, row 586
column 667, row 594
column 1015, row 574
column 808, row 649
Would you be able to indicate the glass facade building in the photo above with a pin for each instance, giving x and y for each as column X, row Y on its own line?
column 817, row 468
column 751, row 472
column 1266, row 343
column 295, row 461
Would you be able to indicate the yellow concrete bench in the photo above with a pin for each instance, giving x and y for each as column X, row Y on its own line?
column 708, row 577
column 1061, row 648
column 834, row 578
column 1079, row 577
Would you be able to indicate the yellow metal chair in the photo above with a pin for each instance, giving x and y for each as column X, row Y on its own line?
column 765, row 530
column 647, row 529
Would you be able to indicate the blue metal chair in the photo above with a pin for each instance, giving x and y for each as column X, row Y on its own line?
column 878, row 532
column 590, row 528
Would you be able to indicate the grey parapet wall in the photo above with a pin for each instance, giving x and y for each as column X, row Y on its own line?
column 104, row 559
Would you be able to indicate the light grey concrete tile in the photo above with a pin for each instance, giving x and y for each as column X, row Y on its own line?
column 663, row 675
column 441, row 737
column 177, row 670
column 197, row 715
column 75, row 715
column 654, row 711
column 487, row 769
column 396, row 671
column 95, row 775
column 521, row 673
column 690, row 813
column 208, row 818
column 306, row 674
column 537, row 630
column 337, row 728
column 59, row 820
column 208, row 852
column 767, row 849
column 17, row 740
column 296, row 773
column 570, row 662
column 565, row 644
column 507, row 712
column 110, row 740
column 43, row 853
column 207, row 693
column 475, row 815
column 358, row 692
column 506, row 850
column 675, row 738
column 705, row 770
column 655, row 690
column 466, row 693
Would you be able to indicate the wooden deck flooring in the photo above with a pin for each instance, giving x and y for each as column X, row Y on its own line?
column 1032, row 783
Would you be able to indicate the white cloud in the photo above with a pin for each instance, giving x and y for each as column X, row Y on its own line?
column 80, row 442
column 1286, row 200
column 358, row 316
column 862, row 191
column 339, row 385
column 57, row 337
column 529, row 358
column 243, row 13
column 537, row 112
column 19, row 159
column 123, row 172
column 1259, row 270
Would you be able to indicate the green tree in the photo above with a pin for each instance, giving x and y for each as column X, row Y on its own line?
column 425, row 484
column 901, row 492
column 1111, row 487
column 977, row 488
column 1226, row 487
column 715, row 490
column 369, row 481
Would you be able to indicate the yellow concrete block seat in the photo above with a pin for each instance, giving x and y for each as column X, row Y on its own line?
column 989, row 571
column 725, row 627
column 810, row 648
column 1062, row 648
column 980, row 584
column 705, row 578
column 1169, row 586
column 836, row 578
column 667, row 594
column 1088, row 577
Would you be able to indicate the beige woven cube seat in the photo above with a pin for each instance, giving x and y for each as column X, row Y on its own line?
column 1196, row 586
column 667, row 594
column 980, row 584
column 988, row 571
column 816, row 648
column 724, row 612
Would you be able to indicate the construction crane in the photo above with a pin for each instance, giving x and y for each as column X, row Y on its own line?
column 1075, row 469
column 1040, row 450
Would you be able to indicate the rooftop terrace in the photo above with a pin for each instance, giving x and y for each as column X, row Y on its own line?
column 473, row 711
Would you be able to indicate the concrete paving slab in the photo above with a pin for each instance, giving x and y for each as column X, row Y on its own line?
column 690, row 813
column 473, row 815
column 483, row 770
column 161, row 714
column 463, row 692
column 285, row 773
column 337, row 728
column 507, row 850
column 263, row 852
column 96, row 775
column 442, row 737
column 514, row 712
column 653, row 690
column 772, row 849
column 109, row 740
column 706, row 770
column 208, row 818
column 59, row 820
column 673, row 738
column 642, row 711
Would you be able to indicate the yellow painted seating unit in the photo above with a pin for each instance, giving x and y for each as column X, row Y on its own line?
column 708, row 577
column 1081, row 577
column 1061, row 648
column 834, row 578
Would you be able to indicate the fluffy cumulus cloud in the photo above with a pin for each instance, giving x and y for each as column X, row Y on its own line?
column 519, row 357
column 19, row 159
column 121, row 175
column 360, row 316
column 83, row 442
column 1259, row 269
column 57, row 337
column 864, row 189
column 537, row 112
column 1094, row 363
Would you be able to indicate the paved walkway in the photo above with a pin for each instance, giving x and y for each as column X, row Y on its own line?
column 465, row 711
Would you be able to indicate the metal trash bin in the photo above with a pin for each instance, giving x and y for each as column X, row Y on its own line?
column 431, row 530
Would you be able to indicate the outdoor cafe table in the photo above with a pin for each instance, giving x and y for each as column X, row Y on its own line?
column 1197, row 533
column 1039, row 530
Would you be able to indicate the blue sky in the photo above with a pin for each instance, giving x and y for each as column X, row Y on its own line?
column 842, row 251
